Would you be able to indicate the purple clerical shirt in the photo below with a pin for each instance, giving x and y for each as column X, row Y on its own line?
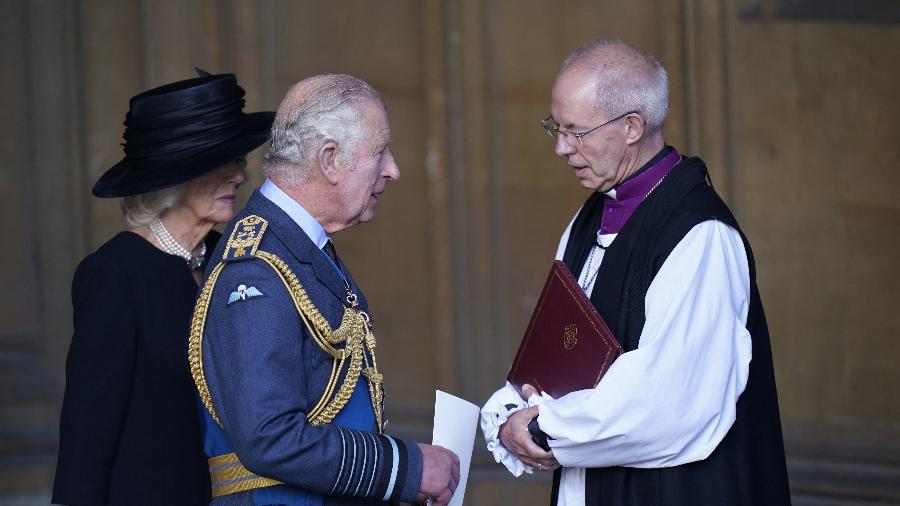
column 626, row 197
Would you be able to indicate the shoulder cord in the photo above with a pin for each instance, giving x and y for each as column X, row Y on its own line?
column 353, row 330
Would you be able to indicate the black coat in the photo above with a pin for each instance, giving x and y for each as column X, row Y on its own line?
column 129, row 432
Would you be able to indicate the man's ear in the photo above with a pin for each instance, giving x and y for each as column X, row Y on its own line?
column 327, row 158
column 635, row 125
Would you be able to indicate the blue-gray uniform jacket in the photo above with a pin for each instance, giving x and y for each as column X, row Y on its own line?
column 265, row 373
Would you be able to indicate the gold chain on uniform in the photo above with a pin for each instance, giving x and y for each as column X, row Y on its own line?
column 353, row 330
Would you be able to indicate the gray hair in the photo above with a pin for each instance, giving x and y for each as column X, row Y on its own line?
column 628, row 78
column 330, row 111
column 143, row 208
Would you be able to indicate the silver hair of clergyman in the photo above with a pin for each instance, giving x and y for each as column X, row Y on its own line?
column 628, row 79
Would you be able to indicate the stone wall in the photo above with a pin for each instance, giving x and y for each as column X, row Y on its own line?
column 792, row 103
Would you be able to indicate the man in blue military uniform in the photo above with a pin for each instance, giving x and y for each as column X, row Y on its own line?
column 282, row 350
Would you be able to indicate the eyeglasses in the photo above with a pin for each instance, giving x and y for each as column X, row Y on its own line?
column 553, row 129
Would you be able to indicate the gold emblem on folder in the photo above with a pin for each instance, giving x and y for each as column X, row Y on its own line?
column 570, row 334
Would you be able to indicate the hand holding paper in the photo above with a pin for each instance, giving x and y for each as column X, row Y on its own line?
column 440, row 474
column 454, row 428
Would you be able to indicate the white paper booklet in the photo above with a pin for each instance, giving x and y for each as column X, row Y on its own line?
column 455, row 421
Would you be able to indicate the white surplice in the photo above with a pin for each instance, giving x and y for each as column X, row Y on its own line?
column 672, row 400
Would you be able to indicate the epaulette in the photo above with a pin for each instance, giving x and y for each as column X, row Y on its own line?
column 245, row 238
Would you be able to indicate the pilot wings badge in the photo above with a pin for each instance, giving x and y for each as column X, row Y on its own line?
column 243, row 293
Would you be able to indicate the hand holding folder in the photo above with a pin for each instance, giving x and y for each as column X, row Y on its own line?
column 567, row 345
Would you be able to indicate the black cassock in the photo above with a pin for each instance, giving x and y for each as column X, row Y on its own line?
column 748, row 466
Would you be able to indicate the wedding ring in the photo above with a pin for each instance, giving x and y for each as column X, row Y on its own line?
column 540, row 466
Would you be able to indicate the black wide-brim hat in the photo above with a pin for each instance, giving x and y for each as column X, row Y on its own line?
column 182, row 130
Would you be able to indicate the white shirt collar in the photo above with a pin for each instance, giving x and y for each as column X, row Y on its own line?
column 310, row 226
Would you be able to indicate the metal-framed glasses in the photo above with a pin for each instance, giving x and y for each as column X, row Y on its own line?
column 553, row 128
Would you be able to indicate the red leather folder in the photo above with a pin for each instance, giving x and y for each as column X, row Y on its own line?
column 567, row 345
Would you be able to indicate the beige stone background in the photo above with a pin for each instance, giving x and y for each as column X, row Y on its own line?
column 793, row 103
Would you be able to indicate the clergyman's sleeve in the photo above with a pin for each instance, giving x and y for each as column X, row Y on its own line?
column 673, row 399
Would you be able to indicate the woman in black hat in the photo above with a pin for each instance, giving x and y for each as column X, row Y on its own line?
column 129, row 432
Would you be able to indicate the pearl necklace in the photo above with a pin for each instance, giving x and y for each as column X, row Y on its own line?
column 171, row 246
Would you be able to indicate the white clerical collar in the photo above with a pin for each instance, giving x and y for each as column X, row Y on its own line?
column 310, row 226
column 604, row 240
column 611, row 193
